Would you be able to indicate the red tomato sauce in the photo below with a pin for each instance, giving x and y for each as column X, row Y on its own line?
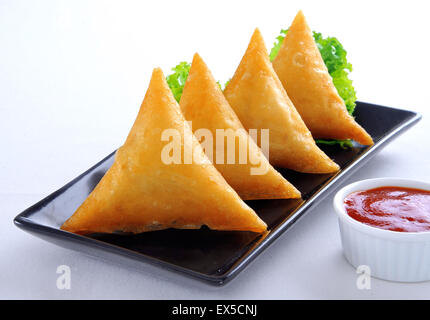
column 391, row 208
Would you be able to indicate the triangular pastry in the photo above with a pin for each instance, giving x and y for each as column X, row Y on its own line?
column 143, row 192
column 259, row 100
column 305, row 77
column 204, row 105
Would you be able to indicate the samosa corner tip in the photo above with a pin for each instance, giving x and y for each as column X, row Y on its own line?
column 157, row 72
column 196, row 57
column 300, row 16
column 257, row 36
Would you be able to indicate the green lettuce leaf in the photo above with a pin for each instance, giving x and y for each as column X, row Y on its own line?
column 344, row 144
column 277, row 45
column 176, row 80
column 334, row 56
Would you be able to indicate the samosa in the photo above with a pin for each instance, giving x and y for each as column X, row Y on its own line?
column 204, row 105
column 144, row 190
column 308, row 83
column 256, row 95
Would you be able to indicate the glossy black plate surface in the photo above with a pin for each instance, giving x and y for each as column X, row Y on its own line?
column 213, row 256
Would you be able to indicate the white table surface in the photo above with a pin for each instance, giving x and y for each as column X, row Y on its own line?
column 73, row 74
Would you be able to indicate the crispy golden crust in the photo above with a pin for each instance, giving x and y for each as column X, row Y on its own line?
column 305, row 77
column 141, row 193
column 204, row 104
column 259, row 100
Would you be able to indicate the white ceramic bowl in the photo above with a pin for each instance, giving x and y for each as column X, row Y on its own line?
column 391, row 255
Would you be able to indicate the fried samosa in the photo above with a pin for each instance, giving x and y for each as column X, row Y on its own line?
column 259, row 100
column 305, row 77
column 144, row 191
column 204, row 105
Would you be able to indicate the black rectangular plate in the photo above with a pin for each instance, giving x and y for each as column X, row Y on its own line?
column 213, row 256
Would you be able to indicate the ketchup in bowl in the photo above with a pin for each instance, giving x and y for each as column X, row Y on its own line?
column 391, row 208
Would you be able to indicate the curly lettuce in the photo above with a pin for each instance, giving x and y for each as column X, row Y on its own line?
column 334, row 56
column 176, row 80
column 278, row 43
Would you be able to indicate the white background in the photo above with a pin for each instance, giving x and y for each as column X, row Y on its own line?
column 73, row 74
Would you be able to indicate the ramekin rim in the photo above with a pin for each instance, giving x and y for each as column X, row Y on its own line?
column 379, row 182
